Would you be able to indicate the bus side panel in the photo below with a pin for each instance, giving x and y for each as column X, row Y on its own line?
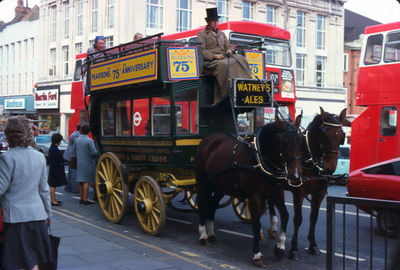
column 77, row 95
column 388, row 146
column 73, row 122
column 364, row 135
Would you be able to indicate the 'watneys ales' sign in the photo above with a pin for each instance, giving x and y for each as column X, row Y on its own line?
column 46, row 99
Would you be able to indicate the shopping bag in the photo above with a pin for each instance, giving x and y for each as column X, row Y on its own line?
column 54, row 243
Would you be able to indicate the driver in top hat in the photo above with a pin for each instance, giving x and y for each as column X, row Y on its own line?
column 216, row 51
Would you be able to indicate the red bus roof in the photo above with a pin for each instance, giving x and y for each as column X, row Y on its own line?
column 80, row 56
column 254, row 28
column 382, row 27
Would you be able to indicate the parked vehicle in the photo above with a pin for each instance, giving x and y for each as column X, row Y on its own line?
column 343, row 163
column 3, row 143
column 43, row 143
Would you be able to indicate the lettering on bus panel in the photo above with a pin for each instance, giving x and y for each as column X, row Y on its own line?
column 135, row 68
column 183, row 63
column 252, row 93
column 256, row 63
column 287, row 89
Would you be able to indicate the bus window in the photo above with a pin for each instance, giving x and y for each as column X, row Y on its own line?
column 107, row 119
column 388, row 121
column 373, row 50
column 186, row 112
column 245, row 122
column 77, row 72
column 392, row 48
column 161, row 121
column 277, row 53
column 123, row 124
column 140, row 117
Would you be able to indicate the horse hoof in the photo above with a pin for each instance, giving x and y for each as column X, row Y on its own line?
column 258, row 263
column 204, row 242
column 279, row 253
column 272, row 234
column 294, row 255
column 314, row 250
column 212, row 239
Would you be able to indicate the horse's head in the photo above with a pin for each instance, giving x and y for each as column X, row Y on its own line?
column 289, row 148
column 330, row 136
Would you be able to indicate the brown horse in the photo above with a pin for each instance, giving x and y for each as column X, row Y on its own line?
column 228, row 166
column 320, row 149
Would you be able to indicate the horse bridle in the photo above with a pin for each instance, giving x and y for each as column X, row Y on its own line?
column 318, row 163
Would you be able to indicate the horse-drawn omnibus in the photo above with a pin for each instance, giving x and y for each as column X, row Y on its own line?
column 151, row 105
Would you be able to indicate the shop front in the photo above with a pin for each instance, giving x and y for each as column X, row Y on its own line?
column 18, row 105
column 47, row 104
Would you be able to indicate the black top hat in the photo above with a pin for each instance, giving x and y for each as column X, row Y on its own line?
column 212, row 14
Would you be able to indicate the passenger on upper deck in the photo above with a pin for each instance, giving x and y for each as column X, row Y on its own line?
column 218, row 53
column 98, row 45
column 137, row 36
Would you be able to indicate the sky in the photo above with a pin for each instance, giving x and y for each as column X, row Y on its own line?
column 383, row 11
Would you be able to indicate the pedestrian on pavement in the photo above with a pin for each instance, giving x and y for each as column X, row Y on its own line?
column 86, row 154
column 56, row 168
column 25, row 200
column 35, row 132
column 70, row 152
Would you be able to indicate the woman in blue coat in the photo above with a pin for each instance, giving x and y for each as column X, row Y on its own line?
column 56, row 169
column 86, row 155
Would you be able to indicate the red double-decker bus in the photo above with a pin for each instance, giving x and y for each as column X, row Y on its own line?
column 375, row 135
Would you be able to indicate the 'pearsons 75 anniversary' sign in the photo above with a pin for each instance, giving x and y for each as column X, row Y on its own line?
column 252, row 93
column 135, row 68
column 183, row 63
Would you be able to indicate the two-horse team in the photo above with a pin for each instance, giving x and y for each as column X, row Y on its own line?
column 279, row 158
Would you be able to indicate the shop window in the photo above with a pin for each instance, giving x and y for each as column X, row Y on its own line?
column 140, row 117
column 107, row 118
column 186, row 113
column 123, row 123
column 373, row 50
column 389, row 121
column 161, row 116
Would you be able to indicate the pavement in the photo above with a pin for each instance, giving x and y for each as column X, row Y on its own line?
column 90, row 245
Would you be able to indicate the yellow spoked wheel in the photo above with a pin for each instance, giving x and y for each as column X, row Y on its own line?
column 241, row 209
column 149, row 205
column 112, row 192
column 191, row 198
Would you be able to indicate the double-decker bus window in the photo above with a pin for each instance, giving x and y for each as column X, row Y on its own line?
column 107, row 118
column 373, row 50
column 277, row 52
column 140, row 117
column 392, row 48
column 186, row 113
column 161, row 121
column 77, row 72
column 123, row 123
column 389, row 121
column 245, row 122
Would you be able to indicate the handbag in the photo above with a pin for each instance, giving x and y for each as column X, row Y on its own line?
column 73, row 162
column 54, row 244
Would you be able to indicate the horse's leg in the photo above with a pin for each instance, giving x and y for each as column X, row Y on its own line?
column 273, row 219
column 216, row 197
column 257, row 207
column 298, row 197
column 279, row 249
column 316, row 201
column 203, row 199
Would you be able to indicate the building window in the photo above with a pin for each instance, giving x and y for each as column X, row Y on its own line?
column 271, row 15
column 184, row 20
column 1, row 56
column 320, row 71
column 110, row 14
column 78, row 48
column 154, row 14
column 66, row 20
column 320, row 32
column 301, row 29
column 222, row 6
column 346, row 62
column 300, row 68
column 95, row 6
column 19, row 85
column 54, row 23
column 25, row 83
column 109, row 41
column 80, row 17
column 33, row 48
column 65, row 60
column 12, row 53
column 7, row 55
column 12, row 90
column 19, row 51
column 247, row 11
column 26, row 49
column 53, row 59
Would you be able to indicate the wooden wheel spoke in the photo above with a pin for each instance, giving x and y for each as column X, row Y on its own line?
column 141, row 193
column 104, row 170
column 242, row 210
column 117, row 198
column 117, row 190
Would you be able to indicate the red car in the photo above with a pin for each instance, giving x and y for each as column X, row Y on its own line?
column 379, row 181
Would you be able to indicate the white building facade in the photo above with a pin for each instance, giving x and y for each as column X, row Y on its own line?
column 68, row 27
column 18, row 67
